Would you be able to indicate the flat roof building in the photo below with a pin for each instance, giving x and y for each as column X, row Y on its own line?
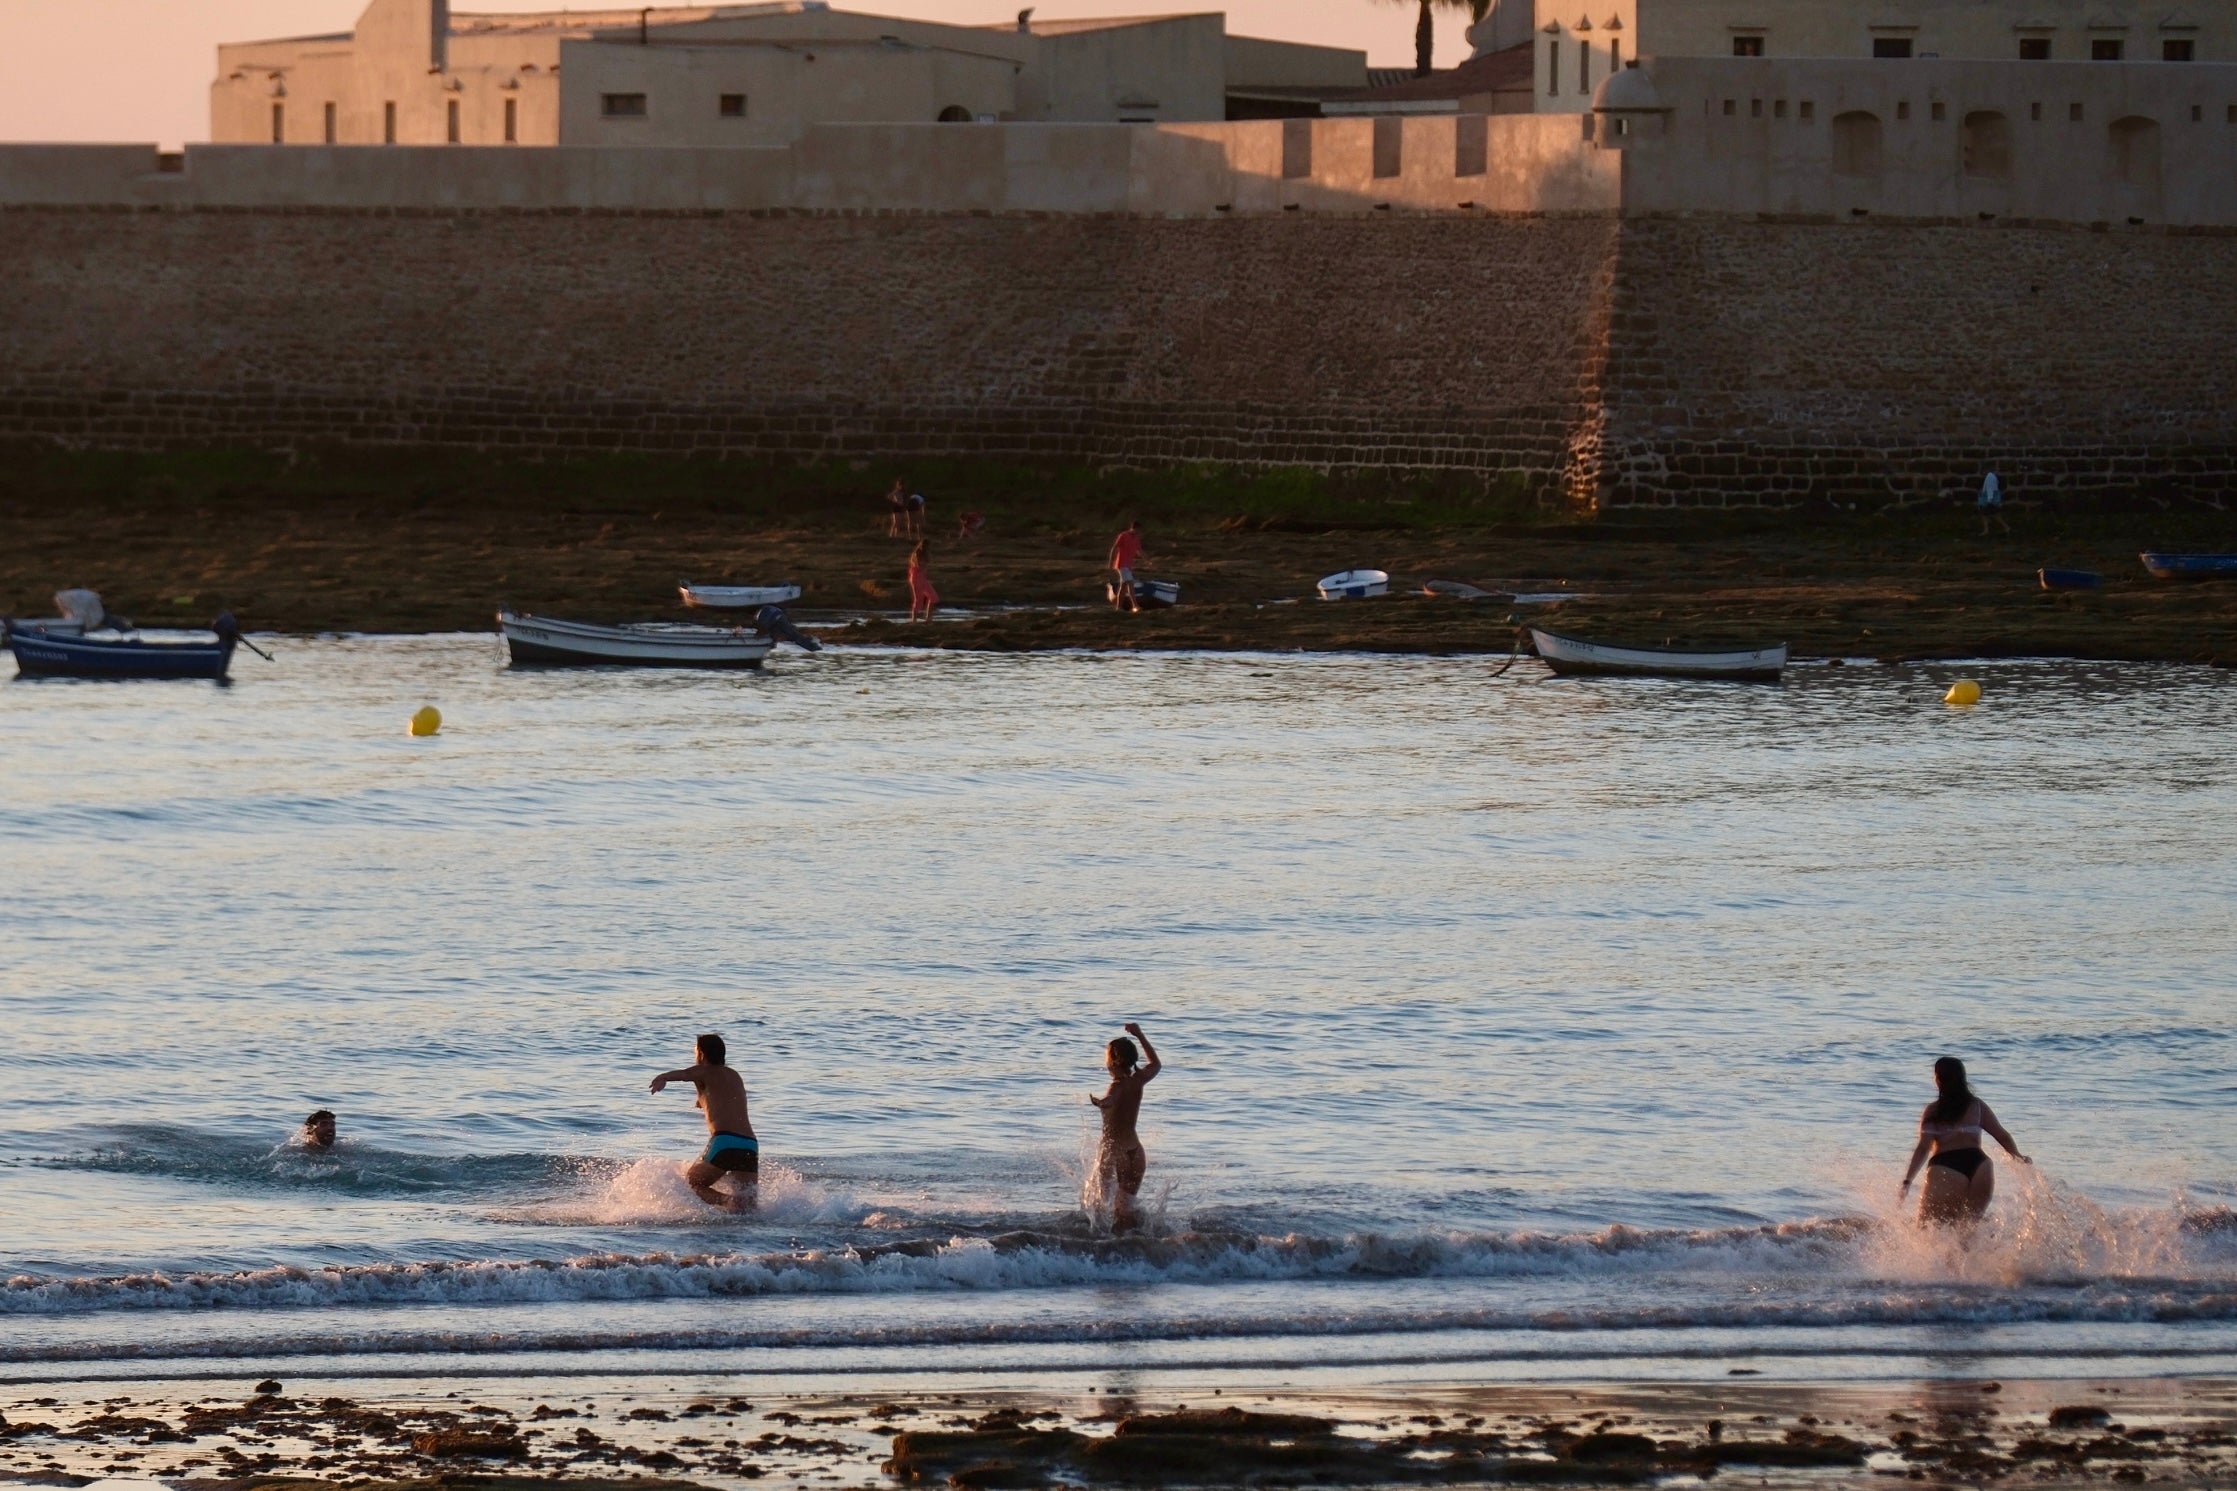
column 412, row 72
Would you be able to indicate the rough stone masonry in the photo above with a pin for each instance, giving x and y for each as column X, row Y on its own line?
column 1682, row 360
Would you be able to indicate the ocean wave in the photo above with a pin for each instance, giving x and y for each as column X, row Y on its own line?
column 2157, row 1266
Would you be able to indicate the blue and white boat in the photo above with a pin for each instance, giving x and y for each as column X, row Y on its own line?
column 67, row 653
column 2191, row 566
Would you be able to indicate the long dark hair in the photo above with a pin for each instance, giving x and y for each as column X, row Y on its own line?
column 1124, row 1050
column 1957, row 1096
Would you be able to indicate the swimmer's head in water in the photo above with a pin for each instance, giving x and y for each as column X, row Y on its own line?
column 710, row 1050
column 318, row 1130
column 1120, row 1057
column 1957, row 1094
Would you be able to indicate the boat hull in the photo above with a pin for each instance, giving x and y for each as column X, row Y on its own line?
column 2068, row 579
column 736, row 597
column 2191, row 566
column 1573, row 655
column 1354, row 585
column 41, row 654
column 540, row 641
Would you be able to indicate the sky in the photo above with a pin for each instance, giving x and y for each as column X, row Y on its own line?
column 139, row 70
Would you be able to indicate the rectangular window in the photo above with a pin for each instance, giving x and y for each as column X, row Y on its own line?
column 1809, row 111
column 1728, row 108
column 622, row 105
column 732, row 106
column 1755, row 108
column 1891, row 46
column 2197, row 114
column 450, row 122
column 2035, row 112
column 1747, row 46
column 1390, row 134
column 1615, row 56
column 2177, row 51
column 388, row 124
column 1938, row 110
column 2074, row 113
column 1903, row 109
column 2105, row 49
column 2035, row 49
column 512, row 121
column 330, row 132
column 1584, row 68
column 1553, row 69
column 279, row 123
column 1778, row 109
column 1471, row 150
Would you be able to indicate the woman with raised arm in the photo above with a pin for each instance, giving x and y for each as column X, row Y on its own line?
column 1120, row 1159
column 1960, row 1179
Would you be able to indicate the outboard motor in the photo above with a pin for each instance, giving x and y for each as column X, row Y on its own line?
column 771, row 621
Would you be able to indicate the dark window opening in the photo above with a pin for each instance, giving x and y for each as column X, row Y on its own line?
column 279, row 124
column 1728, row 108
column 1809, row 111
column 1390, row 135
column 2177, row 51
column 1903, row 109
column 1747, row 46
column 1615, row 55
column 388, row 124
column 1584, row 67
column 2035, row 112
column 1553, row 68
column 1891, row 46
column 2105, row 49
column 1939, row 111
column 2035, row 49
column 2197, row 113
column 622, row 105
column 732, row 106
column 2074, row 113
column 450, row 122
column 512, row 121
column 1471, row 145
column 1755, row 108
column 1778, row 109
column 957, row 114
column 329, row 124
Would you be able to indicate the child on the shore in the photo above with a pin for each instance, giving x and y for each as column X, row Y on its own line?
column 1120, row 1159
column 921, row 594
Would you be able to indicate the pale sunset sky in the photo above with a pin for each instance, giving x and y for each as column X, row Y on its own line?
column 139, row 70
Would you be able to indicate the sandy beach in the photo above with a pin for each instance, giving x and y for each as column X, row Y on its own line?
column 375, row 543
column 592, row 1431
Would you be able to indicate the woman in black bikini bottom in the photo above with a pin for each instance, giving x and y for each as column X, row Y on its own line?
column 1960, row 1180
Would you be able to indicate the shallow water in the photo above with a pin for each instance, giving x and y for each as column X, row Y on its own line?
column 1576, row 1024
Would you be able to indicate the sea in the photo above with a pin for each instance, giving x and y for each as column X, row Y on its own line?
column 1513, row 1028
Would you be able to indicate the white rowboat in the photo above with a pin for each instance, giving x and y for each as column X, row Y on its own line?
column 736, row 597
column 1355, row 584
column 1571, row 655
column 644, row 644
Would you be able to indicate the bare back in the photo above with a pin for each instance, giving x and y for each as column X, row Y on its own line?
column 1122, row 1104
column 722, row 1097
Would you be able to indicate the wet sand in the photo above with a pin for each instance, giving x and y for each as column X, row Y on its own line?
column 606, row 1431
column 424, row 543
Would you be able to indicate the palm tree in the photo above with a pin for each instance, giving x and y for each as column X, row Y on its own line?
column 1425, row 29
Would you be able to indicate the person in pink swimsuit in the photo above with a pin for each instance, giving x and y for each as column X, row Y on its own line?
column 922, row 597
column 1126, row 552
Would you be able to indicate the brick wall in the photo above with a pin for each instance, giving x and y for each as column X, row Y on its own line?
column 1655, row 360
column 1754, row 362
column 1381, row 342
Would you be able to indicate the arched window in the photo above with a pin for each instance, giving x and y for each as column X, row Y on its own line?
column 1856, row 144
column 1988, row 145
column 955, row 114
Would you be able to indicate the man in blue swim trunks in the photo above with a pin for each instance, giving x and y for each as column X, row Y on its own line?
column 732, row 1149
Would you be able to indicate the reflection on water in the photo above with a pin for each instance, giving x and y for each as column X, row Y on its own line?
column 1484, row 1001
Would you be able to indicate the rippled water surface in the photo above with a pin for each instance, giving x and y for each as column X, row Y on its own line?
column 1506, row 1020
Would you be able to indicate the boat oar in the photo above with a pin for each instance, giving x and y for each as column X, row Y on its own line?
column 1513, row 652
column 260, row 652
column 229, row 630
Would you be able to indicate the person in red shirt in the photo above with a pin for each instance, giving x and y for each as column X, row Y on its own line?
column 922, row 597
column 1126, row 552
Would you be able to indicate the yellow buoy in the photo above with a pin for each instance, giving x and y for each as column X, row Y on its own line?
column 1962, row 693
column 427, row 719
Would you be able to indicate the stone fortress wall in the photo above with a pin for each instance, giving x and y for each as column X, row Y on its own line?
column 1649, row 304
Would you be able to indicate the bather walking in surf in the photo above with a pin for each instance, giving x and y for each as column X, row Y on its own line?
column 731, row 1148
column 1120, row 1161
column 1960, row 1180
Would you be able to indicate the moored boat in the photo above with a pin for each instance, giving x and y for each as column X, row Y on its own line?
column 1149, row 595
column 1573, row 655
column 645, row 644
column 1354, row 584
column 2191, row 566
column 736, row 597
column 41, row 653
column 2068, row 579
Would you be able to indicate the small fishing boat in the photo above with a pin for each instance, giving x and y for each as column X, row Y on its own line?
column 1574, row 655
column 2068, row 579
column 736, row 597
column 41, row 653
column 1461, row 590
column 1355, row 585
column 643, row 644
column 1149, row 595
column 2191, row 566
